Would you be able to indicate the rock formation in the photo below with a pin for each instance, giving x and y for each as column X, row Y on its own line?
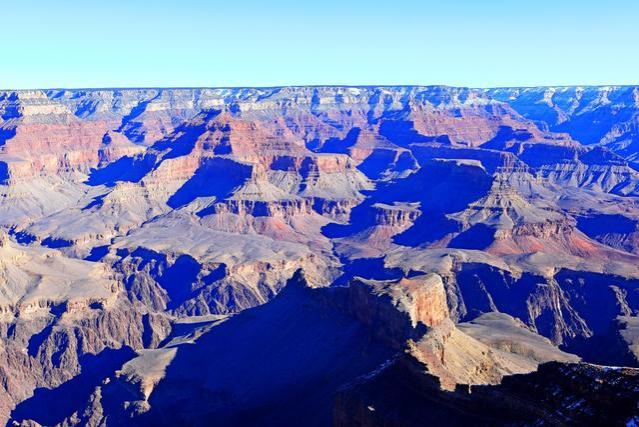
column 173, row 256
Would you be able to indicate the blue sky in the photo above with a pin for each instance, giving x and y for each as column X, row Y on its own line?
column 477, row 43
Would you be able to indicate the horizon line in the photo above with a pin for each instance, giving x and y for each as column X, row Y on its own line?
column 98, row 88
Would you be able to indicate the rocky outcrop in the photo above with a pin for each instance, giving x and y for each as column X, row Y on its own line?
column 402, row 394
column 355, row 330
column 398, row 310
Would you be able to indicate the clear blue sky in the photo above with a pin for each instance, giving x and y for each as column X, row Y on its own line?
column 99, row 43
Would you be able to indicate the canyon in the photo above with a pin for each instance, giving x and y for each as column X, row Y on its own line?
column 372, row 256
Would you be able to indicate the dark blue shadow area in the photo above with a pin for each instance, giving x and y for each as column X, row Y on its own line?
column 276, row 364
column 377, row 163
column 595, row 298
column 367, row 268
column 403, row 133
column 491, row 160
column 125, row 169
column 405, row 161
column 37, row 339
column 135, row 132
column 4, row 173
column 224, row 145
column 428, row 228
column 85, row 108
column 146, row 256
column 308, row 168
column 56, row 242
column 479, row 236
column 182, row 280
column 505, row 134
column 217, row 274
column 97, row 253
column 216, row 177
column 51, row 406
column 12, row 106
column 11, row 111
column 23, row 237
column 538, row 155
column 132, row 129
column 382, row 161
column 337, row 145
column 590, row 127
column 6, row 133
column 597, row 225
column 178, row 280
column 362, row 217
column 137, row 111
column 96, row 202
column 601, row 156
column 484, row 288
column 132, row 169
column 431, row 186
column 182, row 141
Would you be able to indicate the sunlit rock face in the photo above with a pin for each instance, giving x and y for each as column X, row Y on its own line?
column 244, row 256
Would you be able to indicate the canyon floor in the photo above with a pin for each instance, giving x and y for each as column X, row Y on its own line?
column 348, row 256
